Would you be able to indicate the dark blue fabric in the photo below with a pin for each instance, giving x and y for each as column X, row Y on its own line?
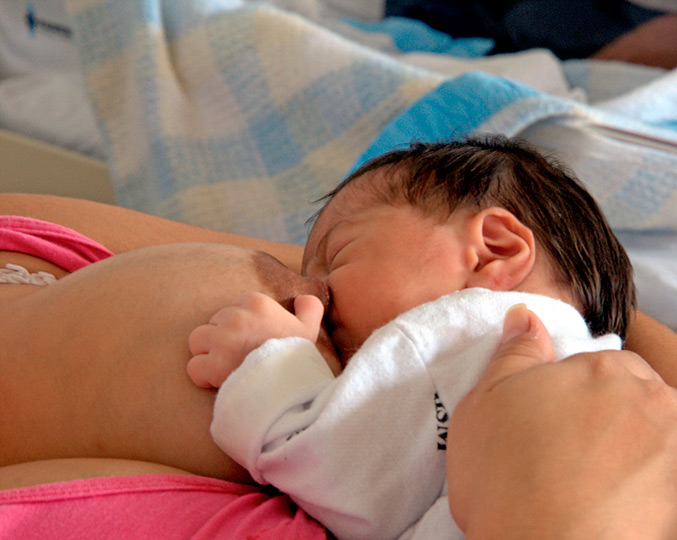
column 569, row 28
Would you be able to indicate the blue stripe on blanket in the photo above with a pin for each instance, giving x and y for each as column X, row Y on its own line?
column 453, row 110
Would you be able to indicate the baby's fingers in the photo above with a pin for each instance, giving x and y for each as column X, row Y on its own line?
column 199, row 340
column 309, row 311
column 204, row 372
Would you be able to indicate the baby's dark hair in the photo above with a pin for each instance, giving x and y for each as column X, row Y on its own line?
column 565, row 220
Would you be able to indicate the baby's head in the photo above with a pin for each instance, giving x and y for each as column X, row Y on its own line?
column 414, row 224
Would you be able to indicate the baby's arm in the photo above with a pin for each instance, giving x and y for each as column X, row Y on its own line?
column 234, row 331
column 328, row 442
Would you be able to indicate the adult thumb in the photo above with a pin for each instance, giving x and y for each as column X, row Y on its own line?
column 525, row 344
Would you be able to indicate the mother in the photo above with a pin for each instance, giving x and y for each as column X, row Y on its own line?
column 92, row 366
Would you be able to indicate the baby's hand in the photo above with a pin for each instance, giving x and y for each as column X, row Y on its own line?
column 233, row 332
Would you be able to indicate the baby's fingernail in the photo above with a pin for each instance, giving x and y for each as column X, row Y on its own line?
column 516, row 322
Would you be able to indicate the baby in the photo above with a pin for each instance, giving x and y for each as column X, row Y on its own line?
column 423, row 251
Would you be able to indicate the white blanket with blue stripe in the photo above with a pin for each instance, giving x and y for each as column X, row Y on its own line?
column 237, row 115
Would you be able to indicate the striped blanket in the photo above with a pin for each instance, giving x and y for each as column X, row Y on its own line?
column 237, row 115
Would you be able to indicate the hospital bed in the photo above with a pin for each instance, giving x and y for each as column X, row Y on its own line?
column 236, row 115
column 33, row 166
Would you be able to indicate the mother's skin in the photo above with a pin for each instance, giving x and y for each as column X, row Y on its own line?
column 94, row 365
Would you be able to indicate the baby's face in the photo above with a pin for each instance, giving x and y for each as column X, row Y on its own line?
column 379, row 261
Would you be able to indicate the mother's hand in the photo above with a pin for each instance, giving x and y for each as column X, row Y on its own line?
column 582, row 448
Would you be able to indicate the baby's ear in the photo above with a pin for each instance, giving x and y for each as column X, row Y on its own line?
column 505, row 250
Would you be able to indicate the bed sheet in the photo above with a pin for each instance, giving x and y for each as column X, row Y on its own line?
column 654, row 259
column 52, row 108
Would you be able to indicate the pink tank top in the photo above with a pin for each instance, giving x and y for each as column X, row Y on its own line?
column 152, row 506
column 57, row 244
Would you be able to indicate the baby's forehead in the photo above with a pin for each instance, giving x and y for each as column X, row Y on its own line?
column 387, row 185
column 359, row 195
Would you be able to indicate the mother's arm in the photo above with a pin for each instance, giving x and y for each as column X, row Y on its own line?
column 655, row 343
column 121, row 229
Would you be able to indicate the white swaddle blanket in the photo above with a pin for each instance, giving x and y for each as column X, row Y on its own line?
column 364, row 452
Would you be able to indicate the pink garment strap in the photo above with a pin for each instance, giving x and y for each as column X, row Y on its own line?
column 152, row 506
column 57, row 244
